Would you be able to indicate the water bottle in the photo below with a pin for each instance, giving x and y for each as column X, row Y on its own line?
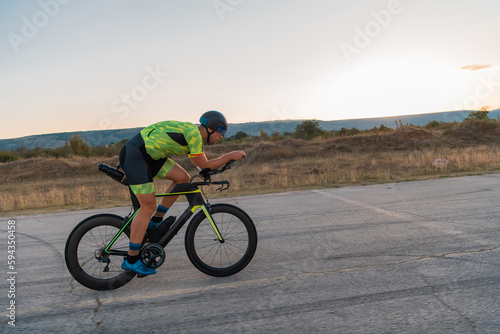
column 114, row 173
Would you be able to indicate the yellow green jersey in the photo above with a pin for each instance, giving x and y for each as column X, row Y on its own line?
column 172, row 137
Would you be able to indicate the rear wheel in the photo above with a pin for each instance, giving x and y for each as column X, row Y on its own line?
column 85, row 257
column 216, row 258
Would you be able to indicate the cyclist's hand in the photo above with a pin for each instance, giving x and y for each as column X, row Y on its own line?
column 237, row 155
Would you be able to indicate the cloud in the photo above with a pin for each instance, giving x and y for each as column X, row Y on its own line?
column 475, row 67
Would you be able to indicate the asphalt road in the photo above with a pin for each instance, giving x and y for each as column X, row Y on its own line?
column 416, row 257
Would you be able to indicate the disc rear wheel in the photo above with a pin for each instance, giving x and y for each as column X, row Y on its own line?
column 85, row 257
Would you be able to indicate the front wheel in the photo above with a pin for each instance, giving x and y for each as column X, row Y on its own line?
column 85, row 257
column 216, row 258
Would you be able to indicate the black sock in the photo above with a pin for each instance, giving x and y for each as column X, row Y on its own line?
column 132, row 258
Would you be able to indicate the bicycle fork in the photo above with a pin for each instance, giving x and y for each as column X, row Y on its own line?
column 212, row 223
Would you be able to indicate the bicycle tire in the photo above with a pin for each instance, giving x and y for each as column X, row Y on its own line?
column 218, row 259
column 86, row 241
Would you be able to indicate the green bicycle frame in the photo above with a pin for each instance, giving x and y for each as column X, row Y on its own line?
column 196, row 201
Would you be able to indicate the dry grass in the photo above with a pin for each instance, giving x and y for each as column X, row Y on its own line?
column 53, row 184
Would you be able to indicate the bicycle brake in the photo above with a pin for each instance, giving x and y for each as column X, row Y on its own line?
column 224, row 186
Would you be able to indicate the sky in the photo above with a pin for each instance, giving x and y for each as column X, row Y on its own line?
column 74, row 65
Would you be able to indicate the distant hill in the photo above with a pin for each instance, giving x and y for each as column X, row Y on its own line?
column 105, row 137
column 53, row 140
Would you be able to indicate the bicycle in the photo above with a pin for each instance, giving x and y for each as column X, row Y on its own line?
column 220, row 240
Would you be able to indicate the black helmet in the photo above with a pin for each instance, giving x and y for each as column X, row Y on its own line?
column 215, row 121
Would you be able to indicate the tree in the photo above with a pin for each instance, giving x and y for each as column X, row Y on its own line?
column 342, row 132
column 276, row 136
column 79, row 146
column 308, row 130
column 481, row 114
column 381, row 128
column 240, row 135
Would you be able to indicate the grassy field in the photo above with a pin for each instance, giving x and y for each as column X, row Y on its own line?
column 48, row 184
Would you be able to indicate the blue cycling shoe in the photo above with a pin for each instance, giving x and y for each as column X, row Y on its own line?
column 138, row 267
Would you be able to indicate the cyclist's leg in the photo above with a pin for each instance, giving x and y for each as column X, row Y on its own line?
column 137, row 231
column 140, row 180
column 141, row 183
column 171, row 171
column 141, row 219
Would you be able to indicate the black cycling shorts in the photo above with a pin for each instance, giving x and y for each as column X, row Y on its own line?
column 140, row 168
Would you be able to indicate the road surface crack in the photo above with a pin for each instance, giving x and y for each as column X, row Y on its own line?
column 448, row 306
column 95, row 311
column 472, row 251
column 71, row 287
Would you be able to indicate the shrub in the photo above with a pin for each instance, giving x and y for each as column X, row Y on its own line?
column 8, row 156
column 80, row 146
column 481, row 114
column 308, row 130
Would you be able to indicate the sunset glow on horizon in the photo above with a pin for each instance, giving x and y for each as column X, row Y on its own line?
column 93, row 65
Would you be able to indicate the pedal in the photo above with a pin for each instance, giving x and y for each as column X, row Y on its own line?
column 141, row 276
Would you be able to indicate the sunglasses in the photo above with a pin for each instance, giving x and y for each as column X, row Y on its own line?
column 221, row 129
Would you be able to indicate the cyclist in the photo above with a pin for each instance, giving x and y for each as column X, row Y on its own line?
column 146, row 156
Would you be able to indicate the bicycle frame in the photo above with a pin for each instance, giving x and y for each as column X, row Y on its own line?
column 195, row 200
